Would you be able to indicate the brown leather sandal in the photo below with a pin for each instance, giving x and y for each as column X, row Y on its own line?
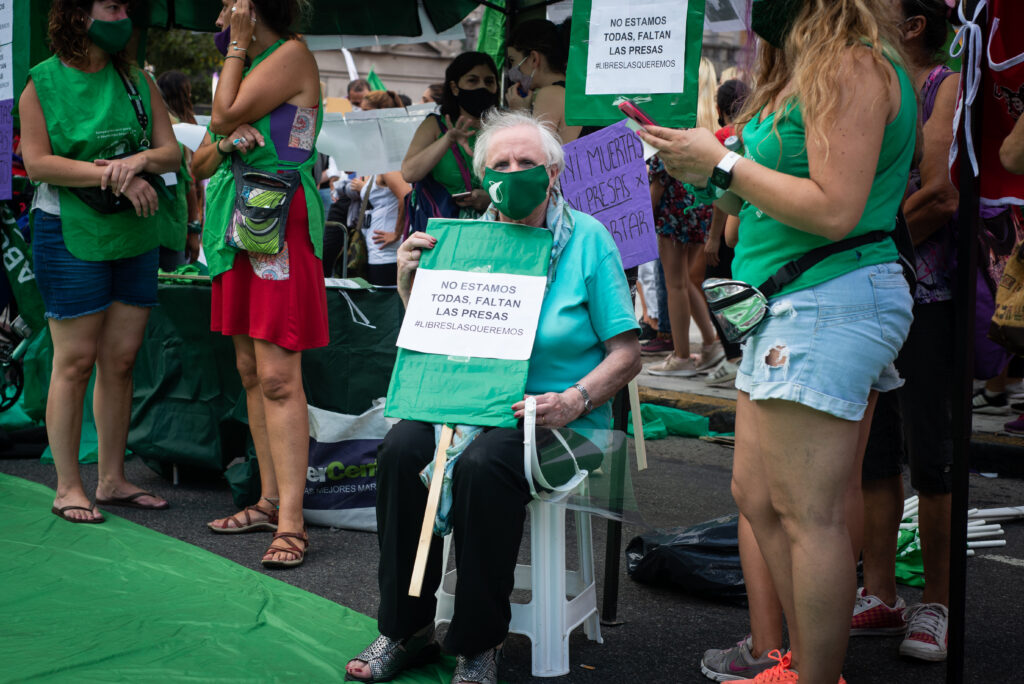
column 251, row 524
column 288, row 547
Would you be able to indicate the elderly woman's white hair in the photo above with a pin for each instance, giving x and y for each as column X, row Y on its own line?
column 500, row 120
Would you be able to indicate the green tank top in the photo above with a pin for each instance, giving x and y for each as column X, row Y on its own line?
column 447, row 171
column 87, row 133
column 765, row 244
column 220, row 191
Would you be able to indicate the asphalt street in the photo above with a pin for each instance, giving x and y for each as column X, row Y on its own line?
column 663, row 631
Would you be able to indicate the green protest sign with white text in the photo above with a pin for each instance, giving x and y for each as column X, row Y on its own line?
column 467, row 334
column 647, row 51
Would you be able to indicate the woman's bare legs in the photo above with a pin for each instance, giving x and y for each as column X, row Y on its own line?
column 805, row 457
column 120, row 338
column 245, row 362
column 673, row 262
column 74, row 354
column 287, row 431
column 762, row 601
column 698, row 305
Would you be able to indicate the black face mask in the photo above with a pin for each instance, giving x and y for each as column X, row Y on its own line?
column 476, row 102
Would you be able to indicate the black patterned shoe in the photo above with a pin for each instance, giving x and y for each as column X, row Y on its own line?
column 479, row 669
column 387, row 657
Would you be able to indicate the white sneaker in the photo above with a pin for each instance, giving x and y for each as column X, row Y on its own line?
column 673, row 365
column 723, row 375
column 710, row 356
column 927, row 632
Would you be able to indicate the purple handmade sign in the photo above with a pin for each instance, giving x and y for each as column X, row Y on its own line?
column 606, row 176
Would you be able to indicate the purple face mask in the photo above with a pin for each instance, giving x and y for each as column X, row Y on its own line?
column 222, row 40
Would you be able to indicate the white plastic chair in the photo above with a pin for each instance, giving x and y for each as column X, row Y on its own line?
column 549, row 617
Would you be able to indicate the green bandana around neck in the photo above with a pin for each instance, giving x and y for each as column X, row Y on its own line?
column 517, row 193
column 110, row 36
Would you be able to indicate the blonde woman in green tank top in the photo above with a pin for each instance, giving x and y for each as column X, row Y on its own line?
column 96, row 272
column 828, row 137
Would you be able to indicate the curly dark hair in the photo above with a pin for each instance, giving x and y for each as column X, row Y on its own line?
column 68, row 31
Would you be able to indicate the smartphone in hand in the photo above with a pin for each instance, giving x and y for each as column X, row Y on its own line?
column 462, row 195
column 636, row 114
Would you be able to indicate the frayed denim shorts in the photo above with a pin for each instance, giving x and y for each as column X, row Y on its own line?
column 72, row 287
column 829, row 345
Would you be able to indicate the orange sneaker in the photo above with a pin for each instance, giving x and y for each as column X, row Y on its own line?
column 782, row 672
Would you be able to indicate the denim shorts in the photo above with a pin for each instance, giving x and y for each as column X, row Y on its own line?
column 72, row 287
column 829, row 345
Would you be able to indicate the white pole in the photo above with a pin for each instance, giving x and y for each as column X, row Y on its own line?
column 986, row 544
column 350, row 63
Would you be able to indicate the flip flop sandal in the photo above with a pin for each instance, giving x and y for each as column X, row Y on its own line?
column 131, row 501
column 250, row 524
column 289, row 547
column 387, row 657
column 60, row 513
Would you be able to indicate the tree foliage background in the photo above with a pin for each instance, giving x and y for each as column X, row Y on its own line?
column 191, row 53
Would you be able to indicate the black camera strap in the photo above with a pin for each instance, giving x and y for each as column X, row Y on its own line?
column 794, row 269
column 136, row 99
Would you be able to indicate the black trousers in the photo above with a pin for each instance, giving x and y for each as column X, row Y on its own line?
column 490, row 496
column 919, row 414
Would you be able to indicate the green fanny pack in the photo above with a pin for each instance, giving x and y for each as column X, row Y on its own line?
column 740, row 307
column 262, row 200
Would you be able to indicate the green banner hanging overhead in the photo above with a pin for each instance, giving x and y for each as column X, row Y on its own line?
column 465, row 344
column 647, row 51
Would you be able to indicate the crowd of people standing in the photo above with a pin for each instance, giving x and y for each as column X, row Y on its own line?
column 840, row 131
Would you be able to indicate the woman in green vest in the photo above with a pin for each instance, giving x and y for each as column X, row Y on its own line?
column 266, row 115
column 92, row 122
column 828, row 139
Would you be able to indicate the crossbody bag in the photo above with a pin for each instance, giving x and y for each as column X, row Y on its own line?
column 740, row 307
column 105, row 201
column 262, row 201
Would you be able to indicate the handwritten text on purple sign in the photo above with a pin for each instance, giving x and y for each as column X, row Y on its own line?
column 606, row 176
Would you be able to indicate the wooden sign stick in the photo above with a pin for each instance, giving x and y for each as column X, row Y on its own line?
column 419, row 567
column 638, row 426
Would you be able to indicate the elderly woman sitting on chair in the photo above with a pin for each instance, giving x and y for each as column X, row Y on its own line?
column 586, row 349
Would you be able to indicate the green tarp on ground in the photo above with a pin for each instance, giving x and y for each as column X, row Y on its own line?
column 118, row 602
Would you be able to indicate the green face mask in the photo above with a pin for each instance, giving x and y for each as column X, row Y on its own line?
column 110, row 36
column 517, row 193
column 773, row 19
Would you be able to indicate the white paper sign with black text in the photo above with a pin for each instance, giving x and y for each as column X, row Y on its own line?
column 481, row 315
column 636, row 47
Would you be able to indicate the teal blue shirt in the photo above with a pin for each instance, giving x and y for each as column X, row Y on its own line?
column 587, row 303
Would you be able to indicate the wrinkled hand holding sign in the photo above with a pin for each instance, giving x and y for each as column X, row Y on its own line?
column 466, row 338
